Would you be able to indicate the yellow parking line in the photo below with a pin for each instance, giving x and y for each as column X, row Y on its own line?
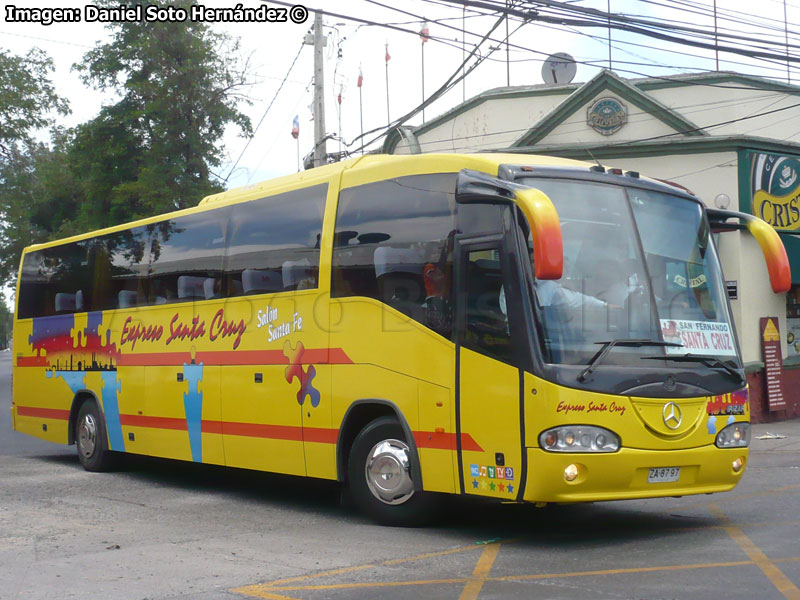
column 773, row 573
column 259, row 590
column 627, row 571
column 480, row 575
column 481, row 572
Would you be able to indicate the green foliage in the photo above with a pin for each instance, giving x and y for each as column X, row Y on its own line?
column 6, row 323
column 151, row 152
column 39, row 199
column 26, row 97
column 179, row 92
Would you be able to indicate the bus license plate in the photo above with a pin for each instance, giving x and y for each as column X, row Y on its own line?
column 663, row 474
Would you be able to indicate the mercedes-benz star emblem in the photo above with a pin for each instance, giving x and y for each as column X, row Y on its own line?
column 672, row 415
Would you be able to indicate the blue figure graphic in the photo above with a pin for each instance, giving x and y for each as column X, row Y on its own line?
column 111, row 409
column 74, row 379
column 193, row 404
column 712, row 425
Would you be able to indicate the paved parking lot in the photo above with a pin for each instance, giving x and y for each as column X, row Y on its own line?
column 159, row 530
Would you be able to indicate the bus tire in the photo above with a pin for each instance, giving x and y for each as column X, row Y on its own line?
column 379, row 476
column 91, row 439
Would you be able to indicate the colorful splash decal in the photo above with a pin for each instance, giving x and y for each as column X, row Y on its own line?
column 489, row 477
column 728, row 404
column 70, row 347
column 304, row 376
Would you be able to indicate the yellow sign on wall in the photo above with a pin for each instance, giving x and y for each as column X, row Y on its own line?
column 782, row 212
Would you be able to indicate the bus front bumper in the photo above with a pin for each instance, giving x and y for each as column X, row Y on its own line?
column 624, row 475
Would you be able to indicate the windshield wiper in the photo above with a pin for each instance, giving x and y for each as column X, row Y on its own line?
column 709, row 361
column 607, row 346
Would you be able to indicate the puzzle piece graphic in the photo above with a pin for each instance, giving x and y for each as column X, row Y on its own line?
column 193, row 404
column 111, row 387
column 304, row 376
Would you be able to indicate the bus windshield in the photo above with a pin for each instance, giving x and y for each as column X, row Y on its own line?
column 639, row 265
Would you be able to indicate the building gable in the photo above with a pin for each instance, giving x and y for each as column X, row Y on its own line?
column 607, row 82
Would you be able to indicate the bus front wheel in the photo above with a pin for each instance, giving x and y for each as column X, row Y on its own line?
column 379, row 476
column 91, row 439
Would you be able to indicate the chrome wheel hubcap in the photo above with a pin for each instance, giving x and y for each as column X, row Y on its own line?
column 87, row 436
column 388, row 472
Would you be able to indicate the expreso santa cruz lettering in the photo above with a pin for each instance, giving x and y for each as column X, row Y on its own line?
column 409, row 326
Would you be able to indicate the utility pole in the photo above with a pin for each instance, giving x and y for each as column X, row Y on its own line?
column 320, row 146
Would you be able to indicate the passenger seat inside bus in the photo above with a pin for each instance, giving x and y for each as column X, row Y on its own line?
column 191, row 287
column 261, row 281
column 69, row 302
column 299, row 275
column 129, row 298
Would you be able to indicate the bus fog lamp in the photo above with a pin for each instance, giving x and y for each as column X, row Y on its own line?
column 735, row 435
column 571, row 472
column 579, row 438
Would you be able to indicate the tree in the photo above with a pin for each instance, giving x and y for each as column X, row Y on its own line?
column 39, row 198
column 6, row 323
column 27, row 103
column 26, row 96
column 180, row 90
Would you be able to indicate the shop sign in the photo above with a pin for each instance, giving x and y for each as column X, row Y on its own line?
column 775, row 182
column 773, row 362
column 607, row 115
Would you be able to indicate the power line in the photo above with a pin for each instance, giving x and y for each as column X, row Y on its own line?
column 278, row 91
column 623, row 23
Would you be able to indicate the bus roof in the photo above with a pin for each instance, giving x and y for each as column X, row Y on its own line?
column 358, row 170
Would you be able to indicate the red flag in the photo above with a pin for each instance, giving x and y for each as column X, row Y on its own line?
column 340, row 97
column 296, row 127
column 424, row 33
column 388, row 57
column 360, row 77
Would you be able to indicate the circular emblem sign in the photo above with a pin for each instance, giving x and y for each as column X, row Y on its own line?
column 607, row 116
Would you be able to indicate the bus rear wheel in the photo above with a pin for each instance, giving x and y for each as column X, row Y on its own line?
column 91, row 439
column 380, row 476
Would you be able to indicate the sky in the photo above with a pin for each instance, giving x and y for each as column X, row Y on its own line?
column 271, row 48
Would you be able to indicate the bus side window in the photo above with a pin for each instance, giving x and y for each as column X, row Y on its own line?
column 185, row 252
column 274, row 243
column 120, row 269
column 393, row 242
column 56, row 280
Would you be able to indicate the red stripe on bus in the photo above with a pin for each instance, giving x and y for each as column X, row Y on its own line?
column 260, row 430
column 320, row 435
column 445, row 441
column 424, row 439
column 174, row 423
column 43, row 413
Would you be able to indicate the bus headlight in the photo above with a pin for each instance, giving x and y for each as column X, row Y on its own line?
column 735, row 435
column 578, row 438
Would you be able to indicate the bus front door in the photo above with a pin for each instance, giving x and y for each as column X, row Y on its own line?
column 491, row 459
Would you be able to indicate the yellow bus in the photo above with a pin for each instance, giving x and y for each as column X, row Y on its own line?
column 521, row 328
